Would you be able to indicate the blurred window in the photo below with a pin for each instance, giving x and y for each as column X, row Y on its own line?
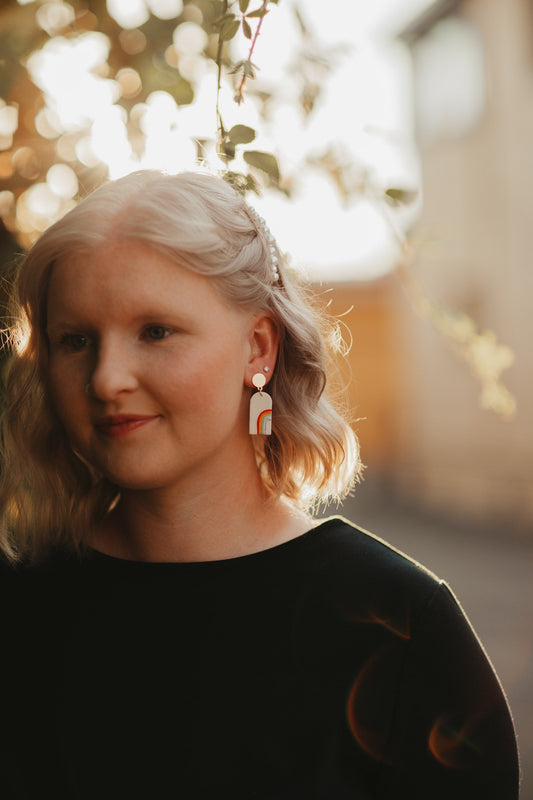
column 449, row 77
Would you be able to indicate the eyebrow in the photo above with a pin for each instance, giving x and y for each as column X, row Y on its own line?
column 166, row 314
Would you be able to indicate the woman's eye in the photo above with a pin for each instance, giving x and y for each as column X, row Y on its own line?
column 74, row 341
column 156, row 332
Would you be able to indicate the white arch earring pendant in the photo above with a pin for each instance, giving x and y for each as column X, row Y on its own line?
column 260, row 408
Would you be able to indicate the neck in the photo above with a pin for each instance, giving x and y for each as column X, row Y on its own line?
column 225, row 520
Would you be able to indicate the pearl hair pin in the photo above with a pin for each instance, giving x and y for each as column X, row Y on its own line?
column 263, row 227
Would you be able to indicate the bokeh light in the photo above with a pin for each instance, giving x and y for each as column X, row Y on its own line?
column 128, row 13
column 113, row 103
column 54, row 17
column 27, row 163
column 129, row 81
column 62, row 181
column 66, row 72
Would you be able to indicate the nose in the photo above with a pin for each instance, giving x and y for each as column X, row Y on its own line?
column 113, row 373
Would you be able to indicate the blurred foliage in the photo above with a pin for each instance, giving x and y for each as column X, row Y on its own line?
column 141, row 59
column 155, row 56
column 46, row 166
column 486, row 357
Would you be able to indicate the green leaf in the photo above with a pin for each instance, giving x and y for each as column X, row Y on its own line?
column 246, row 29
column 264, row 161
column 226, row 150
column 397, row 196
column 229, row 29
column 242, row 183
column 227, row 17
column 243, row 5
column 260, row 12
column 241, row 134
column 182, row 92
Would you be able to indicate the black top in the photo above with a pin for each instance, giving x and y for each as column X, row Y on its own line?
column 330, row 667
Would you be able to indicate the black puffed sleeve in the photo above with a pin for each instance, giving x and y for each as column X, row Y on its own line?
column 452, row 735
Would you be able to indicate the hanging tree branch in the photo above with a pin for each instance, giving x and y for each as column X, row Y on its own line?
column 228, row 26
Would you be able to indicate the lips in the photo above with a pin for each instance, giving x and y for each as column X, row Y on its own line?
column 119, row 425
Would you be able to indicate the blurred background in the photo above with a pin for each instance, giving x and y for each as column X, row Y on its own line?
column 391, row 143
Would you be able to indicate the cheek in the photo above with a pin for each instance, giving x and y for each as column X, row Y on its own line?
column 194, row 390
column 65, row 388
column 208, row 396
column 207, row 379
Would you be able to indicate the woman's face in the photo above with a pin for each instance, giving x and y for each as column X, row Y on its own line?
column 148, row 367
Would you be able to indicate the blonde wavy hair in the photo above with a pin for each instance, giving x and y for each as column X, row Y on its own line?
column 49, row 496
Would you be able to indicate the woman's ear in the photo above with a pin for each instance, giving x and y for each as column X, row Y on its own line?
column 264, row 343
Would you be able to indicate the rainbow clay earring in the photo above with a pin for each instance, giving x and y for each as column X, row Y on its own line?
column 260, row 407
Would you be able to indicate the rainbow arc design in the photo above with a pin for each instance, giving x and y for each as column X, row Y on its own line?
column 264, row 422
column 260, row 414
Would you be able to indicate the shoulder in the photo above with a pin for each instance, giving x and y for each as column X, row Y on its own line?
column 351, row 538
column 355, row 557
column 350, row 582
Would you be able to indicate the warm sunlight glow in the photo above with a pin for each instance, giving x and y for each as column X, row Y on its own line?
column 134, row 13
column 128, row 13
column 67, row 72
column 332, row 241
column 360, row 128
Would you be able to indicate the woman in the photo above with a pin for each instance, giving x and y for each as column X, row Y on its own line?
column 177, row 625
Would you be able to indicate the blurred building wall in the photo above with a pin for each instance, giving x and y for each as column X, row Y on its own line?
column 370, row 316
column 475, row 254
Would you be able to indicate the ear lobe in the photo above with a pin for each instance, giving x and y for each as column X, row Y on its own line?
column 264, row 343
